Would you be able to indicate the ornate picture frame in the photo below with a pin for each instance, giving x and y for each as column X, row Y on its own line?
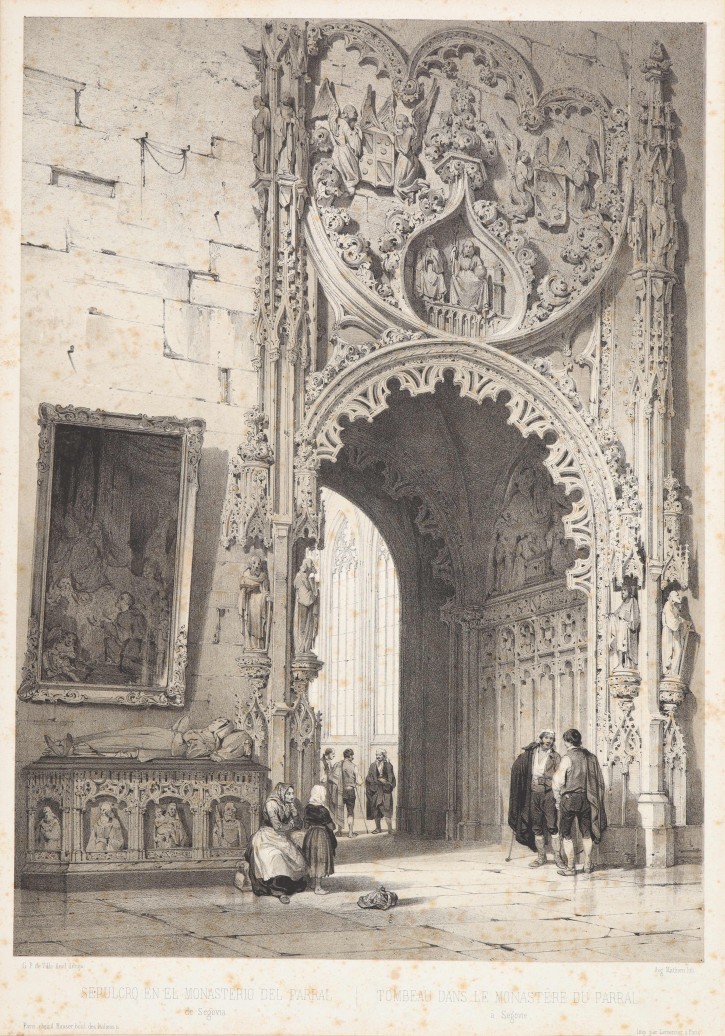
column 114, row 535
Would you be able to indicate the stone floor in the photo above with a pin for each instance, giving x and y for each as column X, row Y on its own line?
column 457, row 901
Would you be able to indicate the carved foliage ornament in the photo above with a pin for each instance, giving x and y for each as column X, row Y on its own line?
column 465, row 96
column 246, row 515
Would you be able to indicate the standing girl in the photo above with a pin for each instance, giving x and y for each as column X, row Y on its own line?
column 320, row 842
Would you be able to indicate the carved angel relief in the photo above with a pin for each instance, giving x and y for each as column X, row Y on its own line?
column 542, row 178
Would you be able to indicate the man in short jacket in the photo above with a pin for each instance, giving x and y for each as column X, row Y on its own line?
column 578, row 787
column 531, row 802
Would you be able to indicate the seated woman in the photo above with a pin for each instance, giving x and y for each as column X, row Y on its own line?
column 276, row 866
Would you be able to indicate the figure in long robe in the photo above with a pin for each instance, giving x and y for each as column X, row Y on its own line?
column 430, row 282
column 469, row 283
column 254, row 605
column 307, row 607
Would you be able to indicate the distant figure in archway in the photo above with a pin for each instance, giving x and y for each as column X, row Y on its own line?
column 379, row 786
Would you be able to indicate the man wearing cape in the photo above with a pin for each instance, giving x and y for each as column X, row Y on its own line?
column 531, row 804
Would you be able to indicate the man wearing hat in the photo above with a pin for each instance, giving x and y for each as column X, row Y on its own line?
column 532, row 809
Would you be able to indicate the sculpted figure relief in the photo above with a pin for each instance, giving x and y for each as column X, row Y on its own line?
column 529, row 542
column 48, row 832
column 675, row 630
column 218, row 741
column 307, row 607
column 260, row 135
column 228, row 831
column 106, row 832
column 430, row 283
column 624, row 624
column 254, row 605
column 287, row 129
column 169, row 830
column 469, row 285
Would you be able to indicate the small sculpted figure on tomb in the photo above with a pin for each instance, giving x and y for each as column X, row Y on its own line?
column 48, row 835
column 169, row 831
column 106, row 833
column 228, row 831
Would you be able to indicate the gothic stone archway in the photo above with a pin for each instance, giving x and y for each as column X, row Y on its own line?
column 451, row 622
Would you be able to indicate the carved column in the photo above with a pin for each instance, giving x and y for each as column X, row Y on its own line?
column 282, row 358
column 464, row 805
column 653, row 236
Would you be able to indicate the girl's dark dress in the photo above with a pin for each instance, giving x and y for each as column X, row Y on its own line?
column 320, row 842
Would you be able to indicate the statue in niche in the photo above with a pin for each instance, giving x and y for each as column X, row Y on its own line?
column 624, row 630
column 307, row 607
column 638, row 231
column 254, row 605
column 228, row 831
column 169, row 830
column 260, row 135
column 675, row 631
column 503, row 555
column 106, row 833
column 469, row 283
column 346, row 133
column 287, row 128
column 430, row 283
column 48, row 834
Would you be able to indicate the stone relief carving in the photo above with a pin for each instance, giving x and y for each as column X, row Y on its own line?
column 246, row 515
column 228, row 830
column 529, row 544
column 443, row 124
column 48, row 833
column 675, row 633
column 307, row 607
column 106, row 832
column 169, row 830
column 255, row 605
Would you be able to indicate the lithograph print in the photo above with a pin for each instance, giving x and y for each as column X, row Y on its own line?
column 402, row 614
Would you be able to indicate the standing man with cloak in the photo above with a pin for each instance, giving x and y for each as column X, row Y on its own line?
column 379, row 785
column 578, row 787
column 531, row 802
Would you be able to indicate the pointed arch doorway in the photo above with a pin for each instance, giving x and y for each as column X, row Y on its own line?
column 498, row 631
column 357, row 691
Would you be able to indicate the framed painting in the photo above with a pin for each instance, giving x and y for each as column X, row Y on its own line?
column 112, row 559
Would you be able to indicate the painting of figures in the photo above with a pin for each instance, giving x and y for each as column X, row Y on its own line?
column 108, row 614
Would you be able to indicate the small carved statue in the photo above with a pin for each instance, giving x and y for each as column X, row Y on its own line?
column 624, row 630
column 48, row 835
column 430, row 283
column 106, row 833
column 346, row 134
column 287, row 129
column 260, row 135
column 228, row 831
column 169, row 830
column 254, row 605
column 307, row 607
column 675, row 631
column 469, row 284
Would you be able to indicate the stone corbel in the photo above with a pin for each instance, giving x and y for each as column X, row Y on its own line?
column 246, row 514
column 254, row 713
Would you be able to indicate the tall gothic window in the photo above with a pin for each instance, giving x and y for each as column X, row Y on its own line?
column 357, row 690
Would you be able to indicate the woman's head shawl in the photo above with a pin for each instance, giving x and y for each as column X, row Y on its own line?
column 318, row 796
